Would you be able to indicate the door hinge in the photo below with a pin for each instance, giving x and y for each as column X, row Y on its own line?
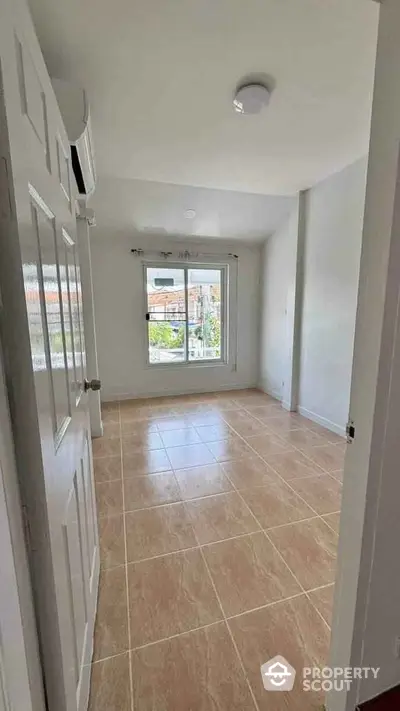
column 350, row 431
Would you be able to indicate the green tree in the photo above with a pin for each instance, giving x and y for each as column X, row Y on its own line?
column 214, row 331
column 210, row 332
column 162, row 335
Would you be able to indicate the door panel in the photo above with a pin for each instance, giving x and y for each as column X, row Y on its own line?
column 89, row 510
column 64, row 243
column 75, row 571
column 33, row 98
column 45, row 337
column 44, row 225
column 76, row 324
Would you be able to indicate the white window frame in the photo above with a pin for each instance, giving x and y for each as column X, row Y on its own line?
column 186, row 267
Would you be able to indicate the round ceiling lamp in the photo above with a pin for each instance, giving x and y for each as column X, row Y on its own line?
column 189, row 214
column 251, row 98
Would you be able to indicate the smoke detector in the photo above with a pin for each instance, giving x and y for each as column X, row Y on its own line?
column 251, row 98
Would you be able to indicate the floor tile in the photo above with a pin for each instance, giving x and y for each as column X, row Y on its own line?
column 110, row 414
column 333, row 520
column 202, row 481
column 111, row 429
column 109, row 408
column 106, row 446
column 140, row 427
column 329, row 436
column 198, row 671
column 302, row 439
column 248, row 472
column 151, row 490
column 107, row 468
column 266, row 444
column 112, row 541
column 330, row 456
column 163, row 411
column 180, row 438
column 323, row 601
column 229, row 449
column 293, row 629
column 240, row 418
column 225, row 405
column 276, row 504
column 109, row 498
column 249, row 427
column 157, row 531
column 140, row 463
column 264, row 413
column 309, row 549
column 323, row 493
column 282, row 424
column 168, row 513
column 217, row 517
column 140, row 441
column 111, row 629
column 170, row 595
column 193, row 455
column 214, row 433
column 206, row 419
column 293, row 465
column 338, row 474
column 173, row 423
column 133, row 411
column 255, row 398
column 110, row 685
column 248, row 573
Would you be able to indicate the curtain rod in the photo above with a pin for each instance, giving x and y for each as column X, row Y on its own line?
column 181, row 255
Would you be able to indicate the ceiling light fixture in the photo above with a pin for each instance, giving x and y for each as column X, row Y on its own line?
column 251, row 98
column 190, row 214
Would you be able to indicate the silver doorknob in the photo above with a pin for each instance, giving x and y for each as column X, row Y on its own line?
column 92, row 385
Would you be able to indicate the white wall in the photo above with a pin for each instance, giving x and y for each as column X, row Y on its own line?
column 278, row 287
column 334, row 212
column 119, row 306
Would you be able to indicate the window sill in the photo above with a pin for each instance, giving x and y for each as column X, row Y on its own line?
column 195, row 364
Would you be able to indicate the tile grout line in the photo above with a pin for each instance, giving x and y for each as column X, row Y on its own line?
column 126, row 569
column 212, row 624
column 207, row 543
column 227, row 625
column 281, row 478
column 280, row 554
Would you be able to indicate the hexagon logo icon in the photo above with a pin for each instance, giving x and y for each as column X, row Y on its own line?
column 278, row 674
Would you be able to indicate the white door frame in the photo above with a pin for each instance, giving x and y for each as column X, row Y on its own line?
column 366, row 617
column 83, row 225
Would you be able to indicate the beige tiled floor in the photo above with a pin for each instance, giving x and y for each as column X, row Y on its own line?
column 218, row 518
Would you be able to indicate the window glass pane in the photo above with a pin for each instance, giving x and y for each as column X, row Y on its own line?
column 167, row 315
column 204, row 314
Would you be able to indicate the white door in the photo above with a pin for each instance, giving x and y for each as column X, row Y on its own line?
column 46, row 360
column 20, row 672
column 366, row 622
column 15, row 691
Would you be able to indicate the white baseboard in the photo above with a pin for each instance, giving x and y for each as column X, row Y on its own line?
column 323, row 421
column 112, row 396
column 287, row 406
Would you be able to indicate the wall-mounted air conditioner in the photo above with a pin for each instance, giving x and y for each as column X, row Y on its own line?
column 74, row 108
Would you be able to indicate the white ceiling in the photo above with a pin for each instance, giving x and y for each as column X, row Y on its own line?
column 160, row 75
column 143, row 209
